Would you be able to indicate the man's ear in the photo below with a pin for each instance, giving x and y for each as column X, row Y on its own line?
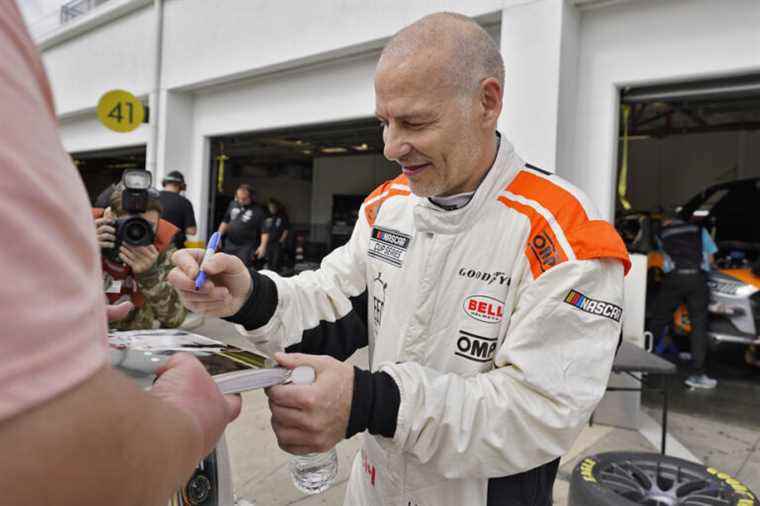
column 491, row 100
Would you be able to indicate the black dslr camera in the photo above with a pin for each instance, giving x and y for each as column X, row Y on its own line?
column 133, row 229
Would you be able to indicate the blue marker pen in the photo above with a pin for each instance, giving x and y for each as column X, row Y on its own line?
column 213, row 244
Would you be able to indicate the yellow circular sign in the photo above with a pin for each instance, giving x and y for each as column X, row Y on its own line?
column 120, row 111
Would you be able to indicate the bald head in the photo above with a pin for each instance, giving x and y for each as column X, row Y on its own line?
column 438, row 97
column 457, row 47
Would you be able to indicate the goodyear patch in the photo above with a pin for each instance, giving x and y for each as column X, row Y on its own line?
column 388, row 245
column 592, row 306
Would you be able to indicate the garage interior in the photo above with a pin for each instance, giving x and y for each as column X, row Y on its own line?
column 321, row 173
column 681, row 139
column 102, row 167
column 685, row 137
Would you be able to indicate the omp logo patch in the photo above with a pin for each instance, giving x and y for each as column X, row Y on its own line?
column 388, row 245
column 542, row 246
column 484, row 308
column 595, row 307
column 475, row 347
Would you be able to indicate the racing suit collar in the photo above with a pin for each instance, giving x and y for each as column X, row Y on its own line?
column 430, row 218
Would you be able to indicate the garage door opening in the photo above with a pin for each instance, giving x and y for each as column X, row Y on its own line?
column 101, row 168
column 694, row 148
column 321, row 173
column 683, row 138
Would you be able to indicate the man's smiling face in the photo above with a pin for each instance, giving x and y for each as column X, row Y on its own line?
column 429, row 125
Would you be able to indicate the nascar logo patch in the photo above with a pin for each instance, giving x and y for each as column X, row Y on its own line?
column 388, row 245
column 592, row 306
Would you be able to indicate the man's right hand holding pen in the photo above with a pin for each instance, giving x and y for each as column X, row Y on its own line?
column 227, row 286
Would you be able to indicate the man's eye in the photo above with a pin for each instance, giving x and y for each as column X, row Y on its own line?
column 413, row 125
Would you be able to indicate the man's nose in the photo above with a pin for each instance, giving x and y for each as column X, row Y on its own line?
column 395, row 146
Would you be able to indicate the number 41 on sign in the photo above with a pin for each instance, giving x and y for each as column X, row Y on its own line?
column 120, row 111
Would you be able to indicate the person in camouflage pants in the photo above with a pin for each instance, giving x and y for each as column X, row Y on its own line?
column 139, row 273
column 161, row 306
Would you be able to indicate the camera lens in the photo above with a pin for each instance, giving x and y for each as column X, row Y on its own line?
column 135, row 231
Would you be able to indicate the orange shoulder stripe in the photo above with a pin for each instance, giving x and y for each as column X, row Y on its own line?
column 373, row 203
column 543, row 249
column 562, row 204
column 598, row 239
column 589, row 239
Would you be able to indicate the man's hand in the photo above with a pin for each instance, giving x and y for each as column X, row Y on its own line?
column 312, row 418
column 226, row 289
column 105, row 231
column 139, row 258
column 183, row 382
column 116, row 312
column 260, row 251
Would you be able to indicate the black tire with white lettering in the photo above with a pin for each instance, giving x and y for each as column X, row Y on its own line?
column 202, row 488
column 651, row 479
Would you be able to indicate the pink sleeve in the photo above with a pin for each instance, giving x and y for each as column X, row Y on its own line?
column 52, row 314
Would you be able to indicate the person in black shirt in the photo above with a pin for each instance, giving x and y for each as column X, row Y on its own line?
column 177, row 210
column 278, row 226
column 687, row 250
column 243, row 227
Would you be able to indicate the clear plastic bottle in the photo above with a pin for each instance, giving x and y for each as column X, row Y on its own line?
column 314, row 472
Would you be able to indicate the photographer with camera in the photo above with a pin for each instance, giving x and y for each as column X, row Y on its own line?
column 136, row 249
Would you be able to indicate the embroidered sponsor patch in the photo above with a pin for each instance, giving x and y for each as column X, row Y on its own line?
column 389, row 246
column 378, row 300
column 489, row 278
column 484, row 308
column 545, row 251
column 476, row 348
column 592, row 306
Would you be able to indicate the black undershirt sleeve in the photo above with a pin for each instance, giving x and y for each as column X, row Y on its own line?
column 260, row 306
column 375, row 404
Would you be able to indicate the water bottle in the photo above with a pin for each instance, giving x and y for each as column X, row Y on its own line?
column 314, row 472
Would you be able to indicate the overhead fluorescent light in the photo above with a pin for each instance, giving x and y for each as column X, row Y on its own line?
column 361, row 147
column 334, row 150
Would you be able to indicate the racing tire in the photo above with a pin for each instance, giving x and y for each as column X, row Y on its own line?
column 651, row 479
column 202, row 488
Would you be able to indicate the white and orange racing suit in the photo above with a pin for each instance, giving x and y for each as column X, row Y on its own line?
column 497, row 323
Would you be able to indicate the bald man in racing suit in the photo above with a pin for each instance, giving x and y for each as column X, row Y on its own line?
column 494, row 299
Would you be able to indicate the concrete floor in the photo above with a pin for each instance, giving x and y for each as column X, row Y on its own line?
column 718, row 427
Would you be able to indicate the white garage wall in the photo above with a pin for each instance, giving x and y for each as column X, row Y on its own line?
column 330, row 92
column 116, row 55
column 86, row 133
column 638, row 43
column 539, row 44
column 209, row 39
